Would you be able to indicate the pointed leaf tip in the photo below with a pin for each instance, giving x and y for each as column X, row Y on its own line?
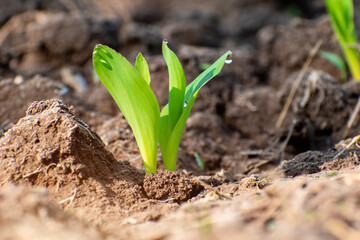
column 143, row 68
column 177, row 86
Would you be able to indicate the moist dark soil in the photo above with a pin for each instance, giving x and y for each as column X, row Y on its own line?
column 69, row 164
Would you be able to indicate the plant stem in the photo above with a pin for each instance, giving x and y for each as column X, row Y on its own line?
column 352, row 58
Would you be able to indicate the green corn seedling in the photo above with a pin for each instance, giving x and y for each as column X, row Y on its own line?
column 130, row 88
column 341, row 16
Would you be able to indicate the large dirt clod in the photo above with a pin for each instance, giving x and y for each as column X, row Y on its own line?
column 51, row 147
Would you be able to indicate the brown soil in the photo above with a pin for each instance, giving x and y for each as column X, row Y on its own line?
column 69, row 164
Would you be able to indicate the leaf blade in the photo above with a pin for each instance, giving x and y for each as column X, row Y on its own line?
column 135, row 99
column 341, row 13
column 170, row 153
column 169, row 145
column 177, row 85
column 164, row 128
column 205, row 76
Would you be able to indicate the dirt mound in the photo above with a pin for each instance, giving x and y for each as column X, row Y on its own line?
column 170, row 186
column 28, row 213
column 50, row 147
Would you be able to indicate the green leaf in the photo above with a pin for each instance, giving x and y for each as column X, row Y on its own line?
column 206, row 76
column 177, row 85
column 337, row 61
column 341, row 16
column 135, row 99
column 169, row 143
column 199, row 161
column 170, row 149
column 164, row 129
column 143, row 68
